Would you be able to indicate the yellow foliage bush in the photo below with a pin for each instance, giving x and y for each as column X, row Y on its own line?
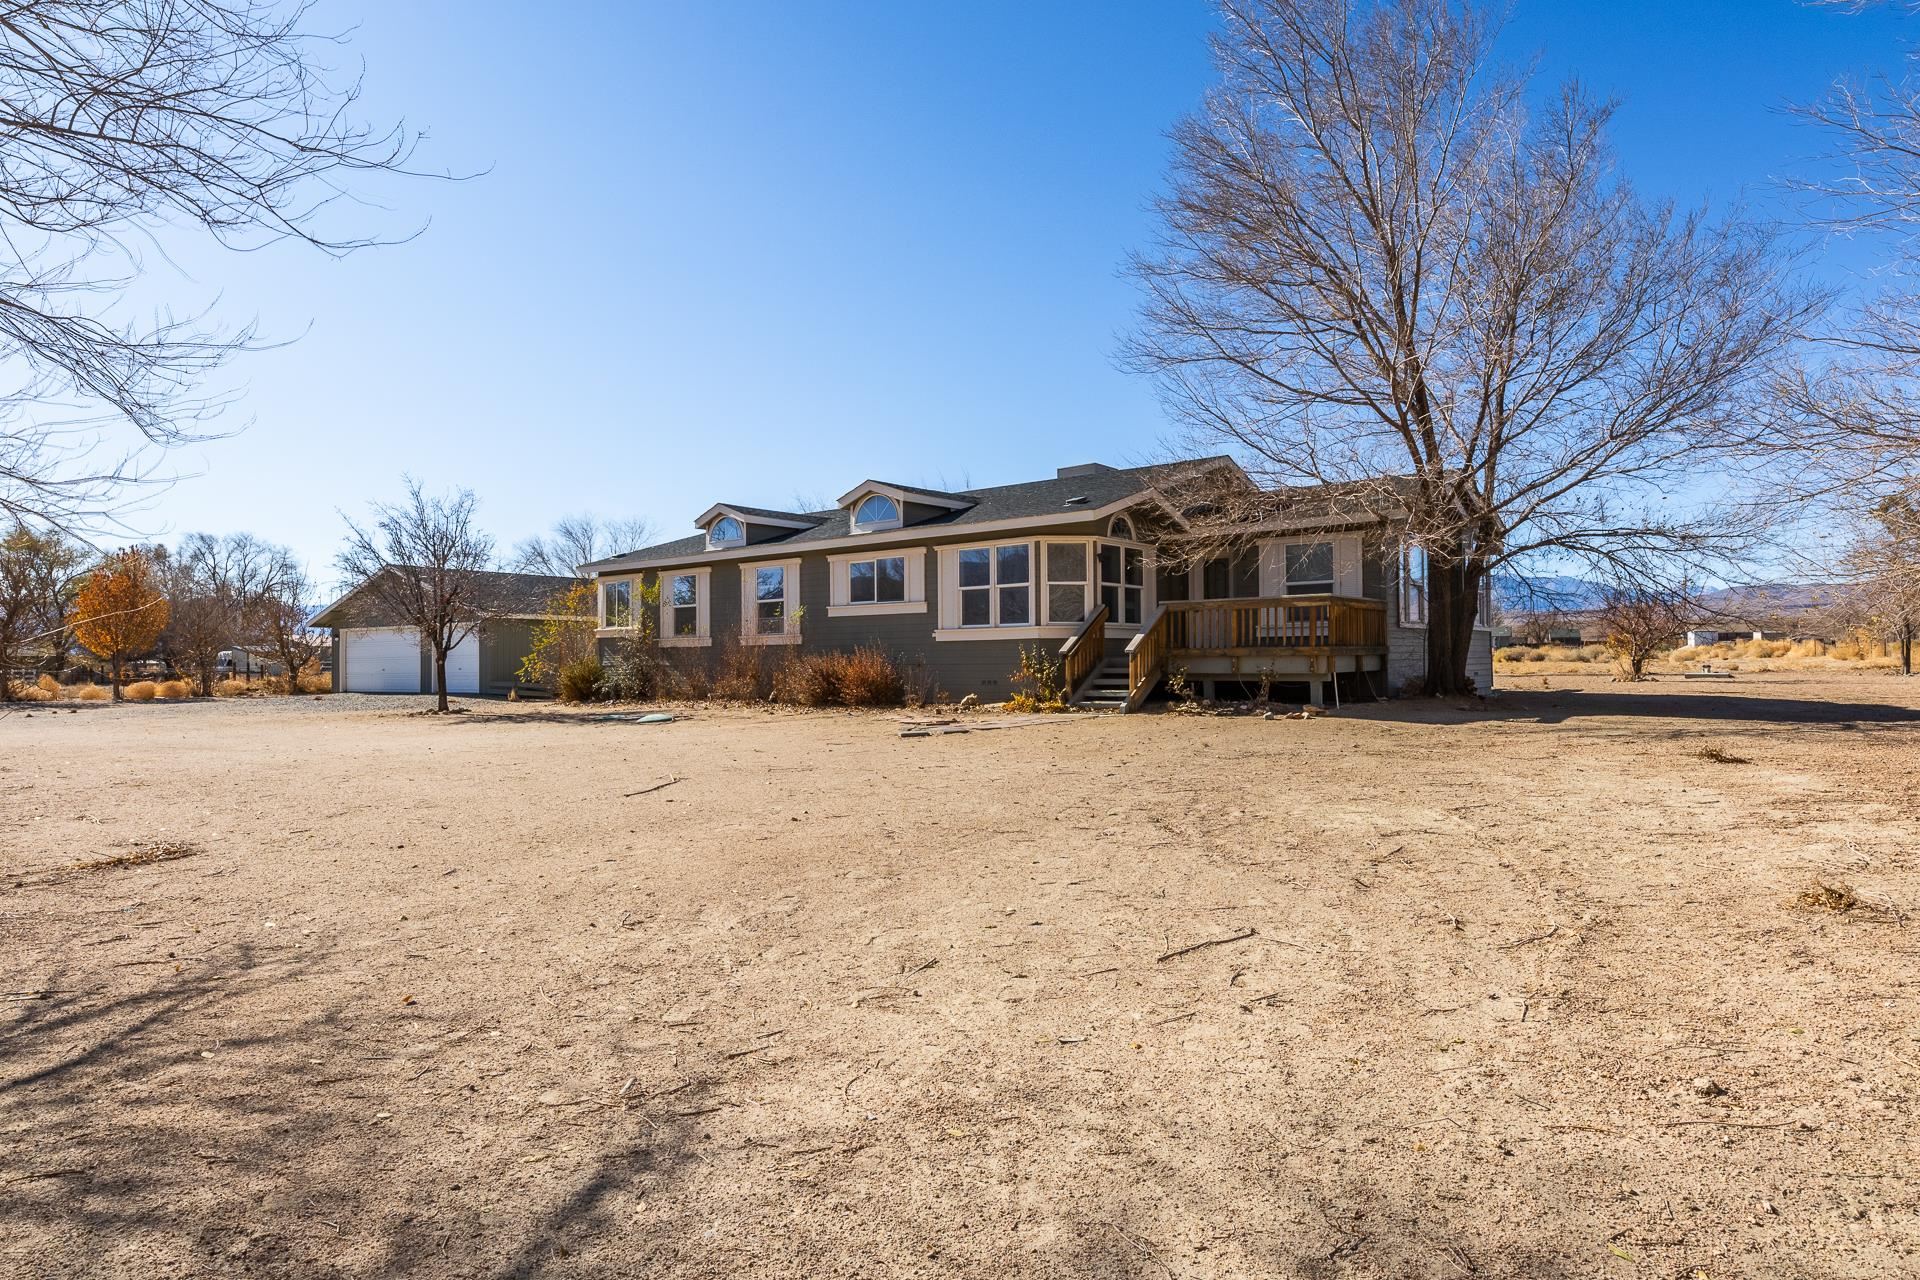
column 140, row 691
column 48, row 685
column 171, row 690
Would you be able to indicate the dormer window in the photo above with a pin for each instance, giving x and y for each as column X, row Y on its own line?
column 876, row 511
column 1120, row 528
column 726, row 532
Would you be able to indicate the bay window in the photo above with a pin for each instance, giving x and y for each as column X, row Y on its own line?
column 1066, row 581
column 1123, row 578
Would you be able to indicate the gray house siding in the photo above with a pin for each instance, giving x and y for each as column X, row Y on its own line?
column 502, row 646
column 953, row 667
column 1407, row 645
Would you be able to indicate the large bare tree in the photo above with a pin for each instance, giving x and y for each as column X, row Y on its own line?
column 1388, row 264
column 119, row 121
column 214, row 587
column 420, row 564
column 285, row 602
column 575, row 540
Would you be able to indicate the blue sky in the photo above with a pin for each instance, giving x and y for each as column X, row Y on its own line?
column 760, row 251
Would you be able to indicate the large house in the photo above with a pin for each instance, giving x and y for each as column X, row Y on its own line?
column 1096, row 564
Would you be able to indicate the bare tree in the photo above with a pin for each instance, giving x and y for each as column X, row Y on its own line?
column 1884, row 564
column 1382, row 269
column 280, row 614
column 420, row 565
column 214, row 587
column 39, row 574
column 1642, row 621
column 574, row 541
column 120, row 119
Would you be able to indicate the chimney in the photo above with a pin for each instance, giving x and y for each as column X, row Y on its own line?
column 1084, row 469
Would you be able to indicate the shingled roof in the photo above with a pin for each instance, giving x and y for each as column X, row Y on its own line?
column 507, row 595
column 1087, row 491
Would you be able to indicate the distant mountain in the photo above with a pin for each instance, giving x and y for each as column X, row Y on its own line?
column 1541, row 593
column 1517, row 593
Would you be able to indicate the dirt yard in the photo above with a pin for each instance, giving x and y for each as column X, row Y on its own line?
column 327, row 987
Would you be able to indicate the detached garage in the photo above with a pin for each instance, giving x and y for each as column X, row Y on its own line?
column 372, row 655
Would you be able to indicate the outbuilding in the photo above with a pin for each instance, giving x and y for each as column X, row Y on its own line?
column 376, row 654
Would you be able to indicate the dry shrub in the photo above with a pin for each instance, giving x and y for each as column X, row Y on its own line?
column 140, row 691
column 171, row 690
column 1807, row 649
column 19, row 692
column 578, row 681
column 866, row 677
column 1829, row 897
column 313, row 680
column 89, row 692
column 1720, row 755
column 232, row 687
column 739, row 672
column 1848, row 651
column 48, row 685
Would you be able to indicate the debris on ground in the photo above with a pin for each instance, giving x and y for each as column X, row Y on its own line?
column 1720, row 755
column 141, row 855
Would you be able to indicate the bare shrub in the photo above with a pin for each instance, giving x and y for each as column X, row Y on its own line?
column 1037, row 681
column 140, row 691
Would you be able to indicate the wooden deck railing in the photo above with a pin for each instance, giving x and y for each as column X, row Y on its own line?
column 1083, row 652
column 1315, row 625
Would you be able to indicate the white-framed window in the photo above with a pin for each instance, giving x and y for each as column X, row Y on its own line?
column 726, row 532
column 996, row 585
column 878, row 582
column 876, row 511
column 770, row 603
column 1413, row 585
column 881, row 580
column 1067, row 581
column 1123, row 583
column 616, row 604
column 1309, row 568
column 685, row 609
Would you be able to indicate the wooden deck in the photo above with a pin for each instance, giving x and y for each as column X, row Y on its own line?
column 1309, row 635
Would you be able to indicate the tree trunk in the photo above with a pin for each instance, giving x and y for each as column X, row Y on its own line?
column 440, row 676
column 115, row 677
column 1451, row 599
column 1906, row 649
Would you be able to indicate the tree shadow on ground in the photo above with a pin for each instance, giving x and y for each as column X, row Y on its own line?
column 200, row 1123
column 1558, row 707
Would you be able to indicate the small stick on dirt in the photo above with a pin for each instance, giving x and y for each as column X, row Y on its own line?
column 1530, row 938
column 1736, row 1124
column 1178, row 1017
column 920, row 968
column 1242, row 936
column 658, row 786
column 48, row 1173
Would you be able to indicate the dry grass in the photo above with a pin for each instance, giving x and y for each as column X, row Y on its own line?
column 232, row 687
column 142, row 855
column 18, row 692
column 1720, row 755
column 140, row 691
column 1517, row 654
column 173, row 690
column 88, row 692
column 1839, row 898
column 48, row 685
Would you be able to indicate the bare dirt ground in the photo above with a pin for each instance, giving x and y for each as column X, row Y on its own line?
column 382, row 994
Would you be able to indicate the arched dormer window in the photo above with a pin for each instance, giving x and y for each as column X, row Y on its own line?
column 1121, row 528
column 876, row 511
column 726, row 532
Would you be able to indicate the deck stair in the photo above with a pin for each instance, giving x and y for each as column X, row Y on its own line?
column 1106, row 688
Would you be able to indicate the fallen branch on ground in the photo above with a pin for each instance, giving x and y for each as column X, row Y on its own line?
column 1210, row 942
column 658, row 786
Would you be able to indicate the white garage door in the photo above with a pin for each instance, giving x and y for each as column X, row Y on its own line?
column 382, row 660
column 463, row 666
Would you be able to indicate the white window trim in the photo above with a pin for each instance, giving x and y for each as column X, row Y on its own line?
column 1348, row 576
column 950, row 592
column 1407, row 548
column 717, row 543
column 703, row 615
column 1054, row 631
column 876, row 526
column 749, row 601
column 631, row 585
column 1089, row 582
column 840, row 603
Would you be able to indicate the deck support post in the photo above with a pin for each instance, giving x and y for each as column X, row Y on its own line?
column 1319, row 694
